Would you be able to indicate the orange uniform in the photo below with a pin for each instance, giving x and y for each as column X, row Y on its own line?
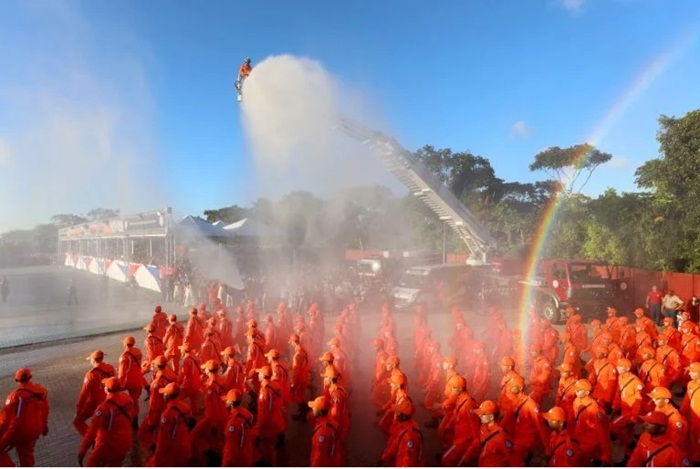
column 540, row 379
column 691, row 408
column 154, row 348
column 174, row 336
column 564, row 451
column 325, row 444
column 234, row 376
column 194, row 333
column 604, row 380
column 492, row 449
column 271, row 419
column 481, row 381
column 238, row 439
column 190, row 381
column 405, row 446
column 130, row 375
column 668, row 357
column 92, row 394
column 591, row 430
column 628, row 402
column 110, row 432
column 173, row 444
column 156, row 406
column 225, row 329
column 464, row 425
column 24, row 418
column 566, row 394
column 160, row 321
column 522, row 422
column 657, row 451
column 301, row 374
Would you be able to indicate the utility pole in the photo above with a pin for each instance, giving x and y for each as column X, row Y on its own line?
column 444, row 242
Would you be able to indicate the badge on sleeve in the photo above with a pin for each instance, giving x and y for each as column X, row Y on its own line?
column 679, row 424
column 98, row 413
column 686, row 462
column 231, row 429
column 570, row 453
column 509, row 444
column 410, row 443
column 164, row 420
column 321, row 439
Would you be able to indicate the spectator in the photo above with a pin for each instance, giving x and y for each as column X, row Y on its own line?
column 72, row 293
column 671, row 303
column 4, row 288
column 653, row 304
column 692, row 306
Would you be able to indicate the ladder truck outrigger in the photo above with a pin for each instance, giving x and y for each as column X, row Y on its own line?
column 587, row 286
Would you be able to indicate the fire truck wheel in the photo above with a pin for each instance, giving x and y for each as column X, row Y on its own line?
column 550, row 312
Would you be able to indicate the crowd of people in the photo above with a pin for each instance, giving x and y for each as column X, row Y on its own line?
column 221, row 389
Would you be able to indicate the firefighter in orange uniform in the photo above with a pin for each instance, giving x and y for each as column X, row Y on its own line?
column 24, row 418
column 579, row 334
column 109, row 433
column 691, row 408
column 190, row 378
column 571, row 355
column 677, row 428
column 493, row 447
column 590, row 426
column 160, row 321
column 670, row 360
column 462, row 423
column 208, row 435
column 566, row 392
column 153, row 346
column 156, row 403
column 540, row 375
column 405, row 445
column 627, row 405
column 234, row 374
column 655, row 448
column 647, row 323
column 652, row 375
column 172, row 341
column 194, row 333
column 238, row 434
column 339, row 409
column 482, row 373
column 603, row 378
column 130, row 375
column 225, row 328
column 174, row 445
column 324, row 440
column 380, row 385
column 301, row 377
column 550, row 344
column 92, row 393
column 613, row 324
column 521, row 421
column 561, row 449
column 270, row 422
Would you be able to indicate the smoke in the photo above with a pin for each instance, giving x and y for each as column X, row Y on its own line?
column 290, row 105
column 76, row 131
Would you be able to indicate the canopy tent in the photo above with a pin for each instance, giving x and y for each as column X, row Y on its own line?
column 249, row 228
column 195, row 226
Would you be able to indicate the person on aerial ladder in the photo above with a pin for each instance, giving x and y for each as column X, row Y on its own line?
column 243, row 73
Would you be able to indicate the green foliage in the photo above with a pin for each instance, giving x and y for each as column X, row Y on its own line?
column 228, row 215
column 569, row 165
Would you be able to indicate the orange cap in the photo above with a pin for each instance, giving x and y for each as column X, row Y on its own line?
column 228, row 351
column 129, row 340
column 595, row 323
column 566, row 366
column 158, row 309
column 170, row 389
column 96, row 355
column 612, row 311
column 583, row 385
column 639, row 312
column 398, row 379
column 334, row 342
column 555, row 414
column 293, row 338
column 23, row 374
column 405, row 407
column 112, row 384
column 695, row 366
column 266, row 371
column 173, row 318
column 150, row 327
column 660, row 392
column 457, row 382
column 233, row 395
column 486, row 407
column 320, row 403
column 331, row 372
column 326, row 357
column 507, row 361
column 160, row 360
column 518, row 381
column 273, row 353
column 646, row 350
column 211, row 365
column 378, row 343
column 656, row 418
column 451, row 361
column 393, row 360
column 624, row 363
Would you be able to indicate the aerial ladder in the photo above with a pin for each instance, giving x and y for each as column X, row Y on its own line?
column 427, row 187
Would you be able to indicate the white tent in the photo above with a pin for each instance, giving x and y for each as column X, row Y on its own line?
column 249, row 228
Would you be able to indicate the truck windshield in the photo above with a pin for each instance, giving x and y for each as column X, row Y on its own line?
column 584, row 273
column 412, row 281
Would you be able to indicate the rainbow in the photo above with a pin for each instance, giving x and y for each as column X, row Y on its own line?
column 653, row 70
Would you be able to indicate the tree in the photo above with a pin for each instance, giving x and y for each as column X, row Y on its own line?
column 97, row 214
column 674, row 179
column 567, row 165
column 228, row 215
column 64, row 220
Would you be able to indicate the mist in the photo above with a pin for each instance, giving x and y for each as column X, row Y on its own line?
column 76, row 119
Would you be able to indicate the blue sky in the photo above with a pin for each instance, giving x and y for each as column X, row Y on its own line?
column 130, row 104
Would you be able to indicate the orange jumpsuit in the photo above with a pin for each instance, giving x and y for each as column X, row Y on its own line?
column 271, row 419
column 482, row 378
column 24, row 418
column 563, row 450
column 340, row 414
column 301, row 375
column 492, row 449
column 591, row 430
column 522, row 422
column 131, row 377
column 674, row 337
column 109, row 432
column 156, row 406
column 173, row 445
column 550, row 344
column 194, row 334
column 405, row 447
column 540, row 379
column 160, row 320
column 465, row 427
column 628, row 402
column 579, row 336
column 614, row 326
column 208, row 434
column 572, row 357
column 91, row 395
column 677, row 429
column 648, row 325
column 190, row 381
column 324, row 444
column 690, row 349
column 380, row 386
column 691, row 408
column 652, row 375
column 234, row 376
column 657, row 451
column 210, row 351
column 172, row 341
column 154, row 348
column 604, row 381
column 238, row 439
column 566, row 394
column 671, row 361
column 225, row 331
